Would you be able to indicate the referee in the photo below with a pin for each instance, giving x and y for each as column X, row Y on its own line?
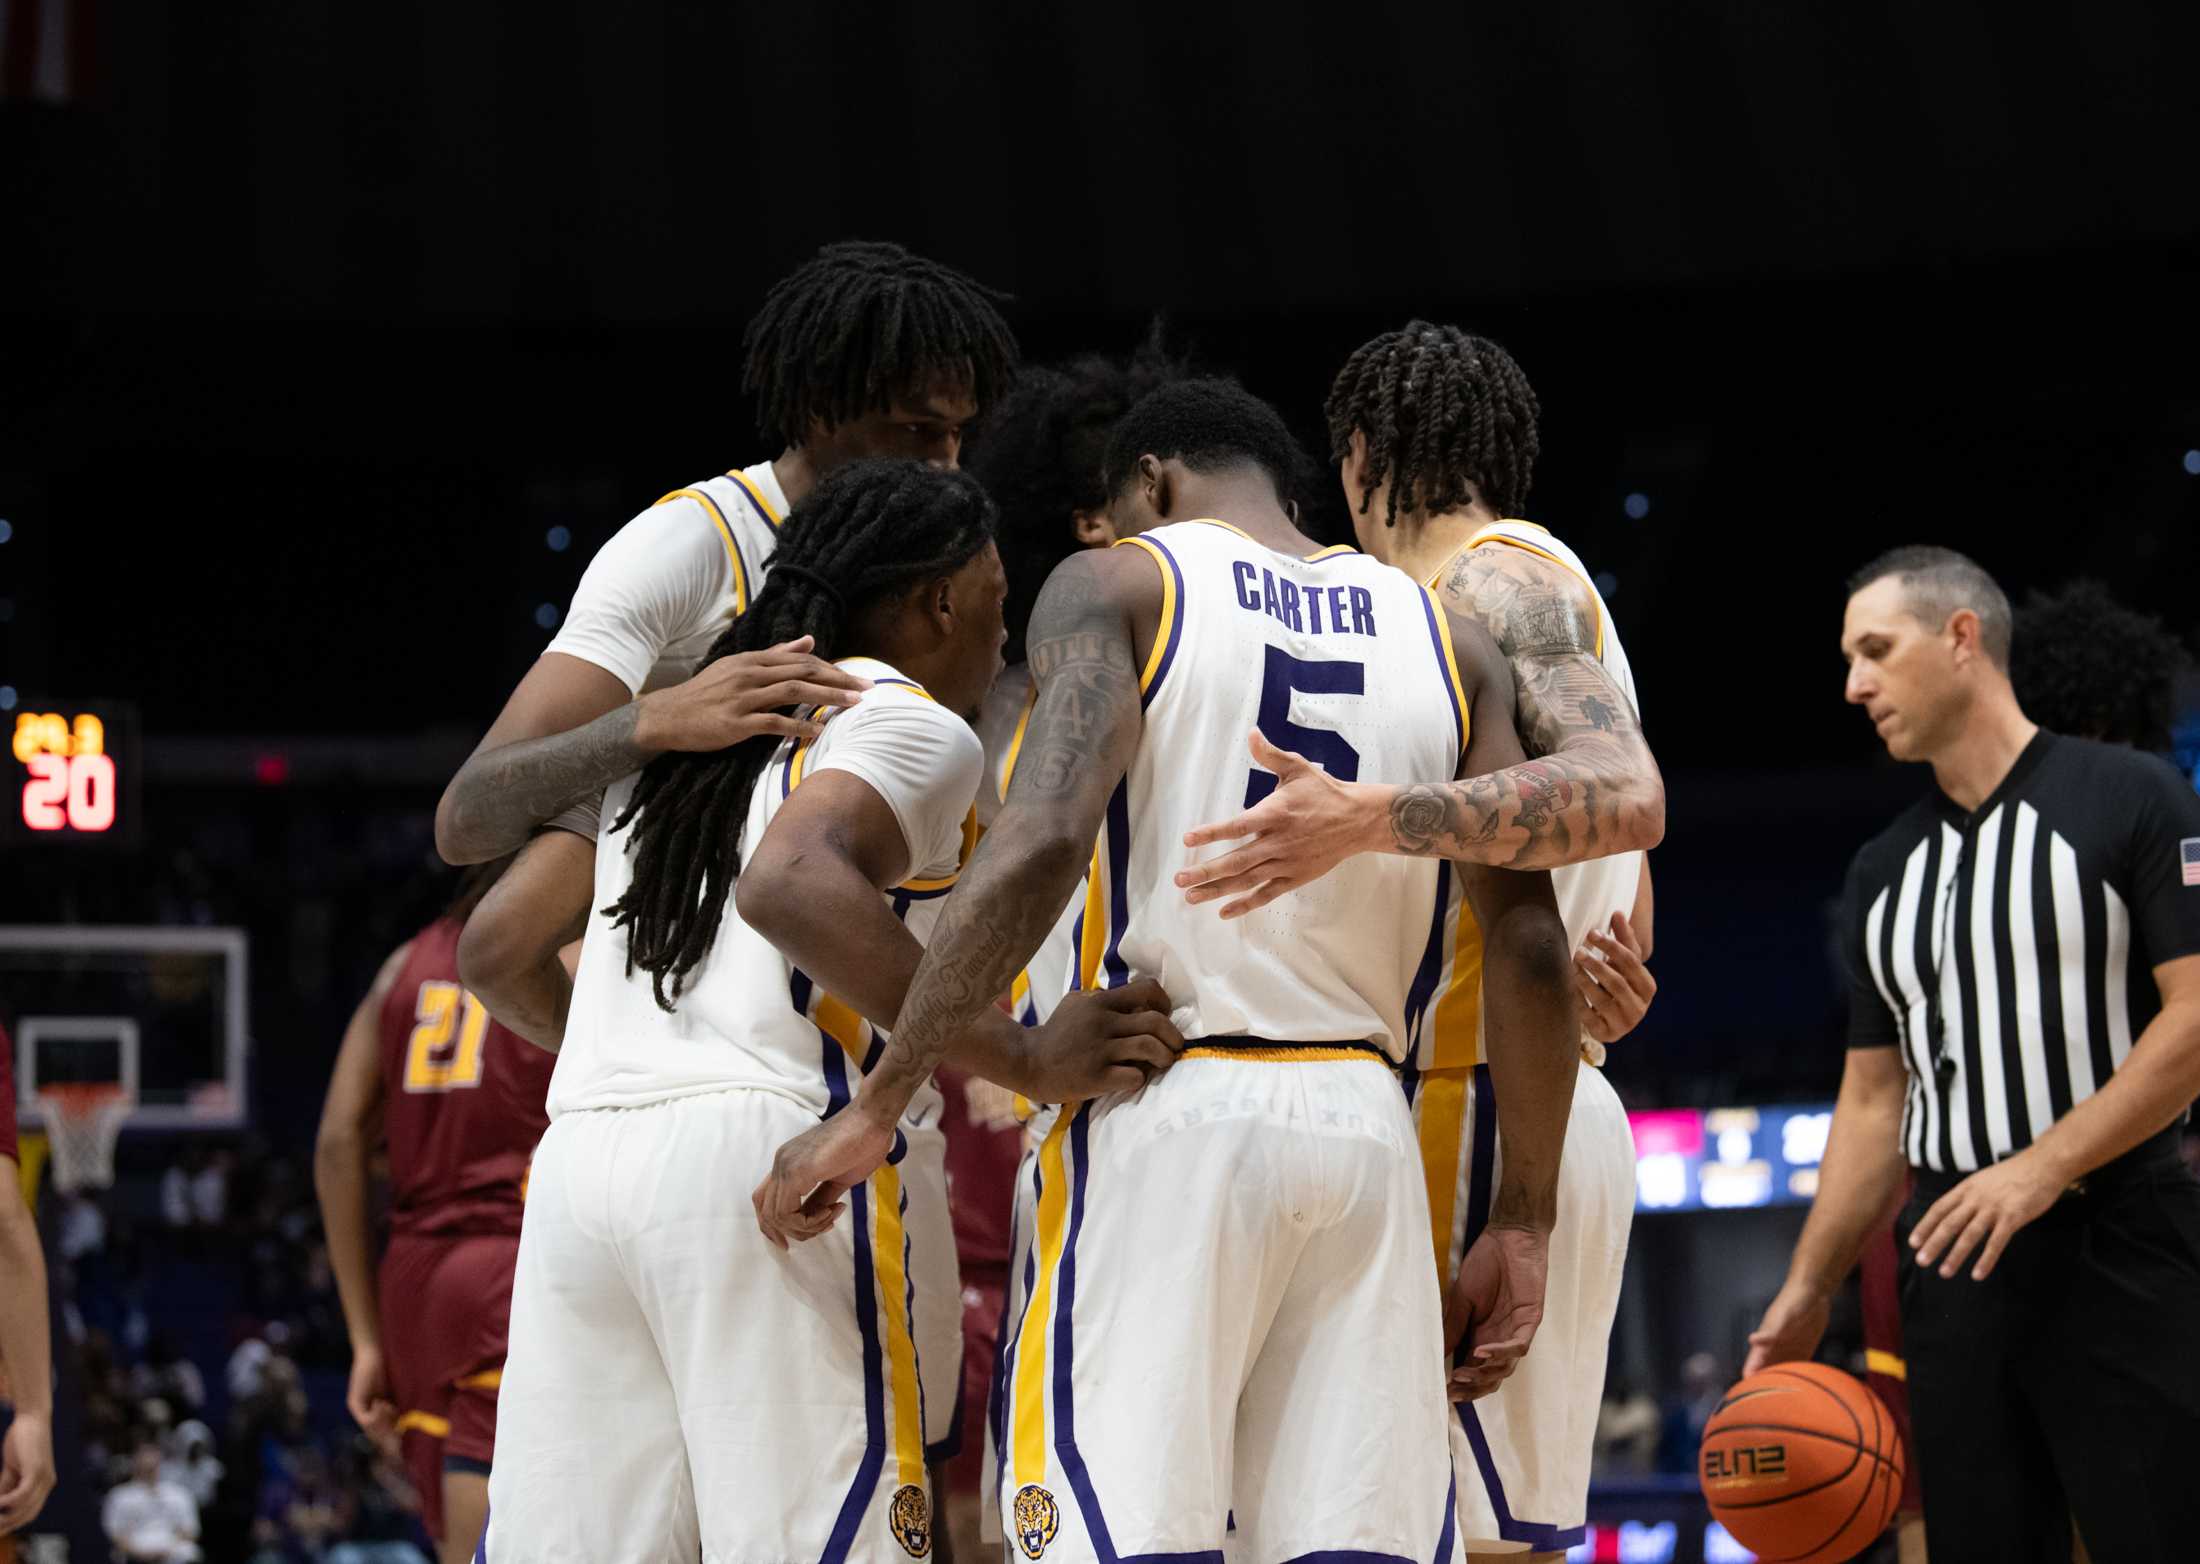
column 2024, row 955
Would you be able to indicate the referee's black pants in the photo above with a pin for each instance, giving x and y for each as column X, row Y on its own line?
column 2066, row 1386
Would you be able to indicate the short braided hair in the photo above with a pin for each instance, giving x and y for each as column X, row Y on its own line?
column 1440, row 409
column 868, row 531
column 861, row 321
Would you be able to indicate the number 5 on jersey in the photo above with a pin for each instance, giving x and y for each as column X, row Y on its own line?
column 432, row 1062
column 1283, row 675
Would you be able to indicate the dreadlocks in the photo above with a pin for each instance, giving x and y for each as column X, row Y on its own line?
column 1440, row 409
column 859, row 322
column 868, row 533
column 2084, row 664
column 1040, row 457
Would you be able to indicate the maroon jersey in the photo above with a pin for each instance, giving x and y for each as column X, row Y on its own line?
column 462, row 1098
column 985, row 1142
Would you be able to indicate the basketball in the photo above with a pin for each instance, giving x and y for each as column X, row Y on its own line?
column 1802, row 1464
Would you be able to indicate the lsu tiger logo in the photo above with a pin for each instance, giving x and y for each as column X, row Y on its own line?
column 1038, row 1518
column 911, row 1520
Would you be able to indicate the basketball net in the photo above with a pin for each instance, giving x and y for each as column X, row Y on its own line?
column 82, row 1121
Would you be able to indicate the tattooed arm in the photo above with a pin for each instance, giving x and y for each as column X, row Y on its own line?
column 569, row 731
column 1593, row 787
column 1084, row 728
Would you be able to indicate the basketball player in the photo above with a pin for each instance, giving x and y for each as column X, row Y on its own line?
column 457, row 1101
column 1231, row 1309
column 1434, row 432
column 674, row 1383
column 863, row 351
column 1042, row 460
column 26, row 1364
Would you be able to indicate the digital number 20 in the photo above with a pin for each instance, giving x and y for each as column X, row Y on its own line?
column 77, row 791
column 1281, row 676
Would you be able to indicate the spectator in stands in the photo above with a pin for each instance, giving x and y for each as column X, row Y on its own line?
column 192, row 1464
column 168, row 1374
column 1627, row 1430
column 149, row 1519
column 383, row 1505
column 1702, row 1384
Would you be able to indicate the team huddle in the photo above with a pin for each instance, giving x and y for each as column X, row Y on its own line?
column 1288, row 892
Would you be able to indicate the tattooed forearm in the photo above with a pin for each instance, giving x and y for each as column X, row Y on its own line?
column 1591, row 786
column 500, row 795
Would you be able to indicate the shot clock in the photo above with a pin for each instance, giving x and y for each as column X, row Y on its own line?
column 72, row 774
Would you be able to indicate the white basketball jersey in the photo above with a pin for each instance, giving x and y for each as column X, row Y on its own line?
column 1588, row 893
column 668, row 583
column 747, row 1016
column 1335, row 657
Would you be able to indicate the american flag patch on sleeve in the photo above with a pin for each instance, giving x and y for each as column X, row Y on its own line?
column 2188, row 859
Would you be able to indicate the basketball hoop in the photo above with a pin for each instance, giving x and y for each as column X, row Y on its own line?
column 82, row 1120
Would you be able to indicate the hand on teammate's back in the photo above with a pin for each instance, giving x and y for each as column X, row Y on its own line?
column 1103, row 1040
column 1613, row 980
column 1294, row 836
column 740, row 696
column 1495, row 1305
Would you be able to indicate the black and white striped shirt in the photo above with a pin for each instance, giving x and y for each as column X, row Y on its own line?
column 2039, row 918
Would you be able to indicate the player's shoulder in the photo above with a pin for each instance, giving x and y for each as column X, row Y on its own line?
column 899, row 703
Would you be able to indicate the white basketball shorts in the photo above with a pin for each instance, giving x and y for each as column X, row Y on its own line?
column 1523, row 1451
column 677, row 1387
column 1230, row 1310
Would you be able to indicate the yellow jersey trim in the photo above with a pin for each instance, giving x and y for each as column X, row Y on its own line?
column 890, row 1254
column 1320, row 553
column 1027, row 1423
column 1490, row 534
column 725, row 536
column 1161, row 631
column 1442, row 617
column 1016, row 741
column 1442, row 1109
column 487, row 1379
column 426, row 1423
column 771, row 515
column 1877, row 1361
column 1281, row 1055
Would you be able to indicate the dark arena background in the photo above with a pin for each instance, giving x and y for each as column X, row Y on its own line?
column 334, row 340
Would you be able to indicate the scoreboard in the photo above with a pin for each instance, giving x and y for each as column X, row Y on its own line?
column 72, row 775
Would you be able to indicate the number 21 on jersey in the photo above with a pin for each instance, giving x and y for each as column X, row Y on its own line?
column 433, row 1062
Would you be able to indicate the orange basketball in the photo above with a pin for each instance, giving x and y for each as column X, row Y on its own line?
column 1802, row 1464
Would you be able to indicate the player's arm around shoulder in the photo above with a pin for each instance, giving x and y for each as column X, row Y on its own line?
column 1605, row 792
column 573, row 725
